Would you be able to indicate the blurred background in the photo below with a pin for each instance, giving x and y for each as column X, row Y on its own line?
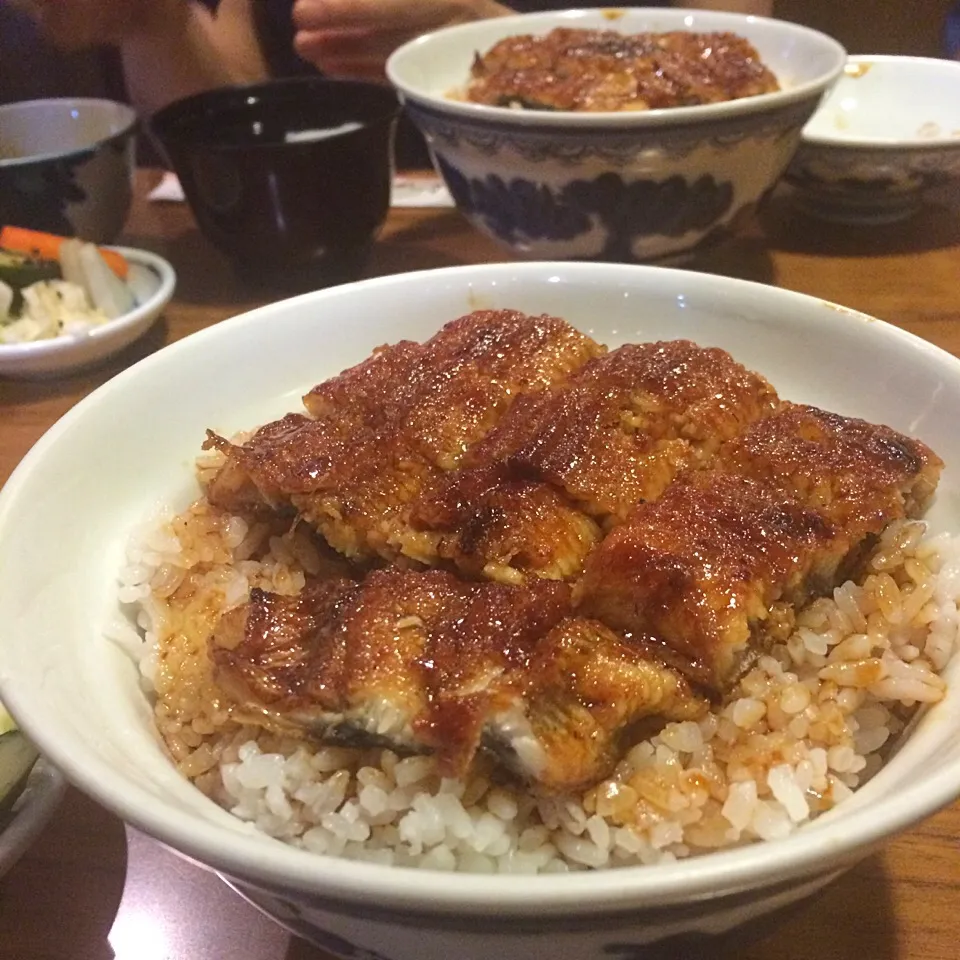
column 31, row 68
column 915, row 28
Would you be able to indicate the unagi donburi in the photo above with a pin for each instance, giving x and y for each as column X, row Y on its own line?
column 511, row 600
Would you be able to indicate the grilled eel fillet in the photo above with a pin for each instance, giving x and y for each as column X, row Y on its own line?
column 383, row 431
column 424, row 662
column 688, row 588
column 566, row 463
column 692, row 583
column 715, row 568
column 577, row 69
column 414, row 453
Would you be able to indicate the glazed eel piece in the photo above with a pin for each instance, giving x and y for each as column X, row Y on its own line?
column 423, row 662
column 680, row 597
column 566, row 464
column 590, row 70
column 717, row 566
column 381, row 432
column 505, row 446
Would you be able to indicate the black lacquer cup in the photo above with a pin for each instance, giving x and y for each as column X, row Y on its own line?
column 290, row 178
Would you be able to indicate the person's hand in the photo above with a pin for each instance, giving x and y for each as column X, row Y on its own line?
column 353, row 38
column 74, row 24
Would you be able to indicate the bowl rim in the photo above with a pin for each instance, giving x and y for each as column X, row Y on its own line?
column 64, row 345
column 865, row 144
column 129, row 129
column 365, row 887
column 166, row 116
column 624, row 120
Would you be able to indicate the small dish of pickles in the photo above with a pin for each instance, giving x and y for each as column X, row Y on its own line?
column 66, row 304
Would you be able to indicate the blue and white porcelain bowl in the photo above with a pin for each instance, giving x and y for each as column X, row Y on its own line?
column 66, row 166
column 611, row 186
column 888, row 133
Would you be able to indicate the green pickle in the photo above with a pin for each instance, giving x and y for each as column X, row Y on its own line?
column 19, row 270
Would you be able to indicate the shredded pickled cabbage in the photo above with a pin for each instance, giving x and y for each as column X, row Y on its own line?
column 51, row 308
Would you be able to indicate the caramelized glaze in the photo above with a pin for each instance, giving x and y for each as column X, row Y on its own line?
column 381, row 432
column 567, row 461
column 603, row 70
column 427, row 662
column 701, row 510
column 782, row 514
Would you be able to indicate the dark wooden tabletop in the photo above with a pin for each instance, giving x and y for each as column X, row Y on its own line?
column 92, row 890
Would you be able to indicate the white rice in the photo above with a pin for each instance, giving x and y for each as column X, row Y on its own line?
column 806, row 726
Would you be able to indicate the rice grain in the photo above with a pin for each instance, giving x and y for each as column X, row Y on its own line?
column 810, row 721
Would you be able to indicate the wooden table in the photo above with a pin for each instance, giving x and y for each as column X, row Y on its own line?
column 91, row 890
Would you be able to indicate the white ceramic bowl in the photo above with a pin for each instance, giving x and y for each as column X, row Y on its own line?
column 66, row 166
column 888, row 132
column 67, row 511
column 611, row 186
column 31, row 812
column 61, row 355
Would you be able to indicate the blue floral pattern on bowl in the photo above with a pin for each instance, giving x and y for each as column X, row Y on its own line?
column 368, row 931
column 613, row 149
column 626, row 209
column 559, row 192
column 851, row 185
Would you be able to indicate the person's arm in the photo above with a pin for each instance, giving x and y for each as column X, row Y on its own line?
column 354, row 37
column 170, row 48
column 197, row 51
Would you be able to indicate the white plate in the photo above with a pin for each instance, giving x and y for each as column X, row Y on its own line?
column 69, row 508
column 46, row 358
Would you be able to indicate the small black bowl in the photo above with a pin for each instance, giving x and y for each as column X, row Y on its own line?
column 290, row 178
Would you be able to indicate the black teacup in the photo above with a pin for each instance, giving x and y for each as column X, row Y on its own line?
column 290, row 178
